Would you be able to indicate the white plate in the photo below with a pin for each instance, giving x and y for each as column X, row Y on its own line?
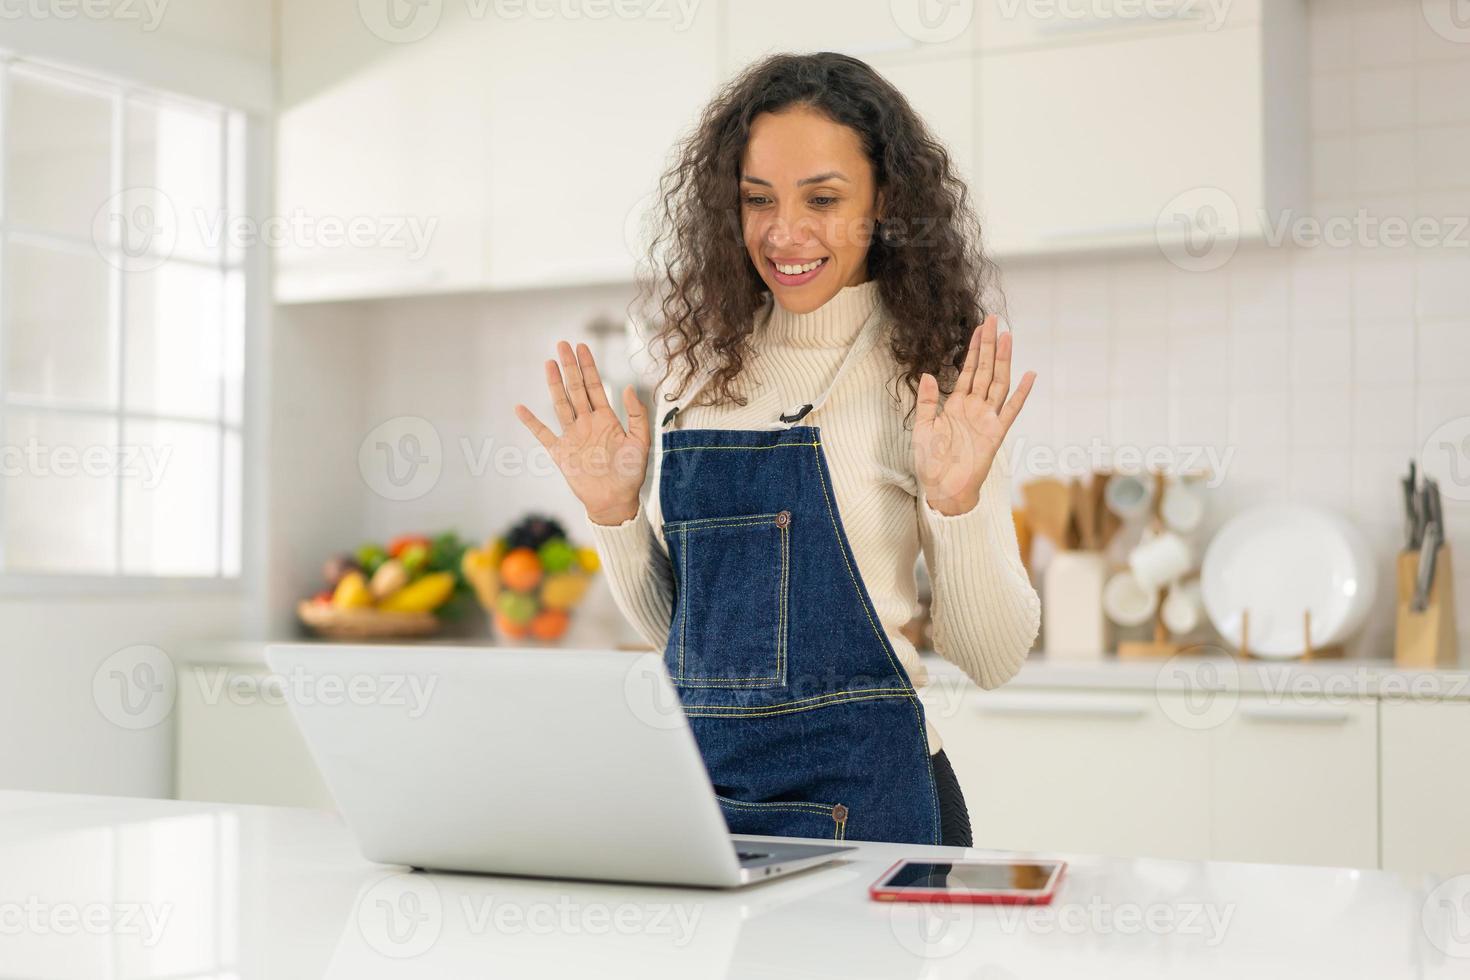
column 1278, row 560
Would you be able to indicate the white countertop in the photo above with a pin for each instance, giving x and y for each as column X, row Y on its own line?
column 96, row 886
column 1348, row 678
column 1319, row 679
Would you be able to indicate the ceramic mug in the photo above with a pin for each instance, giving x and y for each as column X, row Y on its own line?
column 1182, row 506
column 1129, row 495
column 1160, row 559
column 1126, row 602
column 1183, row 607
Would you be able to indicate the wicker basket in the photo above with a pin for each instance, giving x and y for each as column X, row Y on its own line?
column 364, row 624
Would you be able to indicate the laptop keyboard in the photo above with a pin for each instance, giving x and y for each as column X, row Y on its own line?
column 751, row 855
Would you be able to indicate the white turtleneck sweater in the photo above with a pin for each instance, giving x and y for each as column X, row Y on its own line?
column 985, row 611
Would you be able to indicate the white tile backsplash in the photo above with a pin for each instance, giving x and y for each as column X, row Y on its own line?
column 1316, row 372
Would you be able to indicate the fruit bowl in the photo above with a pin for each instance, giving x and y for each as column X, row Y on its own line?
column 530, row 579
column 406, row 588
column 364, row 624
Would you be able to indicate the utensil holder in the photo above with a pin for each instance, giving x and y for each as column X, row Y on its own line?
column 1425, row 639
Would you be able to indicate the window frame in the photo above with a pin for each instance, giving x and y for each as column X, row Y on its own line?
column 239, row 183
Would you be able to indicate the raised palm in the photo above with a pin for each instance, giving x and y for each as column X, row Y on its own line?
column 602, row 462
column 954, row 449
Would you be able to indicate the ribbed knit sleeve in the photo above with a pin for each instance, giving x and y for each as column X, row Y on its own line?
column 639, row 574
column 986, row 613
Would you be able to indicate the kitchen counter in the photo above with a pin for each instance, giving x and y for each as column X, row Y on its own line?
column 1315, row 679
column 1320, row 679
column 98, row 886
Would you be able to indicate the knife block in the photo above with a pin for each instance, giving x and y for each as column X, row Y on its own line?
column 1425, row 639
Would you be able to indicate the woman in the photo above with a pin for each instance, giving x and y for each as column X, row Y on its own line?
column 805, row 457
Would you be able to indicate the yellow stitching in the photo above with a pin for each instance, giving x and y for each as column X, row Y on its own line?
column 695, row 713
column 765, row 681
column 780, row 804
column 882, row 640
column 733, row 517
column 779, row 445
column 690, row 526
column 899, row 691
column 684, row 588
column 682, row 528
column 781, row 607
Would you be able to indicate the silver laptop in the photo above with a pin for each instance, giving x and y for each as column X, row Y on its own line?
column 544, row 762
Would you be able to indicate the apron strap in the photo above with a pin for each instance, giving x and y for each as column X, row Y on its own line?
column 868, row 336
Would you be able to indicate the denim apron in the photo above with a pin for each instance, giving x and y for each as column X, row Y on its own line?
column 807, row 722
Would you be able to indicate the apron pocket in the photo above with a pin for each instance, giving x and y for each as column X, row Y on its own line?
column 729, row 627
column 785, row 818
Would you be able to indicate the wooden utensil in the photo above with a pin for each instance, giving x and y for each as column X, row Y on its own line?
column 1048, row 507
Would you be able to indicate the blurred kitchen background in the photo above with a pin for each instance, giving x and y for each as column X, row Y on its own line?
column 280, row 271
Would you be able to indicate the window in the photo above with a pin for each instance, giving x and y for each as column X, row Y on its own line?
column 122, row 312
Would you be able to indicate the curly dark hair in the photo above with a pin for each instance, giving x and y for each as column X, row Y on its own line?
column 699, row 286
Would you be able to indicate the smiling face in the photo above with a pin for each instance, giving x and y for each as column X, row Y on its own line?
column 807, row 206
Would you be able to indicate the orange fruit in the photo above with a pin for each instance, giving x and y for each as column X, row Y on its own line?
column 509, row 627
column 520, row 569
column 550, row 624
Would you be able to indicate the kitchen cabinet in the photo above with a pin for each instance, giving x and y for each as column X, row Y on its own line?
column 1003, row 26
column 495, row 152
column 1426, row 799
column 874, row 32
column 1114, row 773
column 1077, row 771
column 1296, row 782
column 1185, row 138
column 238, row 742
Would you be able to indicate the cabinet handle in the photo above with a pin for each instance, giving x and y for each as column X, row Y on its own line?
column 1068, row 709
column 1287, row 712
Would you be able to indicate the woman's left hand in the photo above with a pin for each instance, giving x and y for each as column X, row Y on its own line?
column 953, row 450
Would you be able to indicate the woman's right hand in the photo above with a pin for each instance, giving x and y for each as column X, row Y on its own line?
column 603, row 464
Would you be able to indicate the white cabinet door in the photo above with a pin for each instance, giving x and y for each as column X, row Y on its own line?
column 942, row 90
column 1182, row 138
column 1297, row 783
column 1426, row 795
column 381, row 183
column 582, row 116
column 1100, row 773
column 874, row 32
column 1001, row 25
column 502, row 151
column 237, row 742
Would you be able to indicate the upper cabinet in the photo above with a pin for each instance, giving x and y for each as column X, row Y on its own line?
column 483, row 148
column 1186, row 133
column 464, row 147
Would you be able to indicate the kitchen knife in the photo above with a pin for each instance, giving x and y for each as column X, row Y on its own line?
column 1411, row 515
column 1428, row 550
column 1435, row 514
